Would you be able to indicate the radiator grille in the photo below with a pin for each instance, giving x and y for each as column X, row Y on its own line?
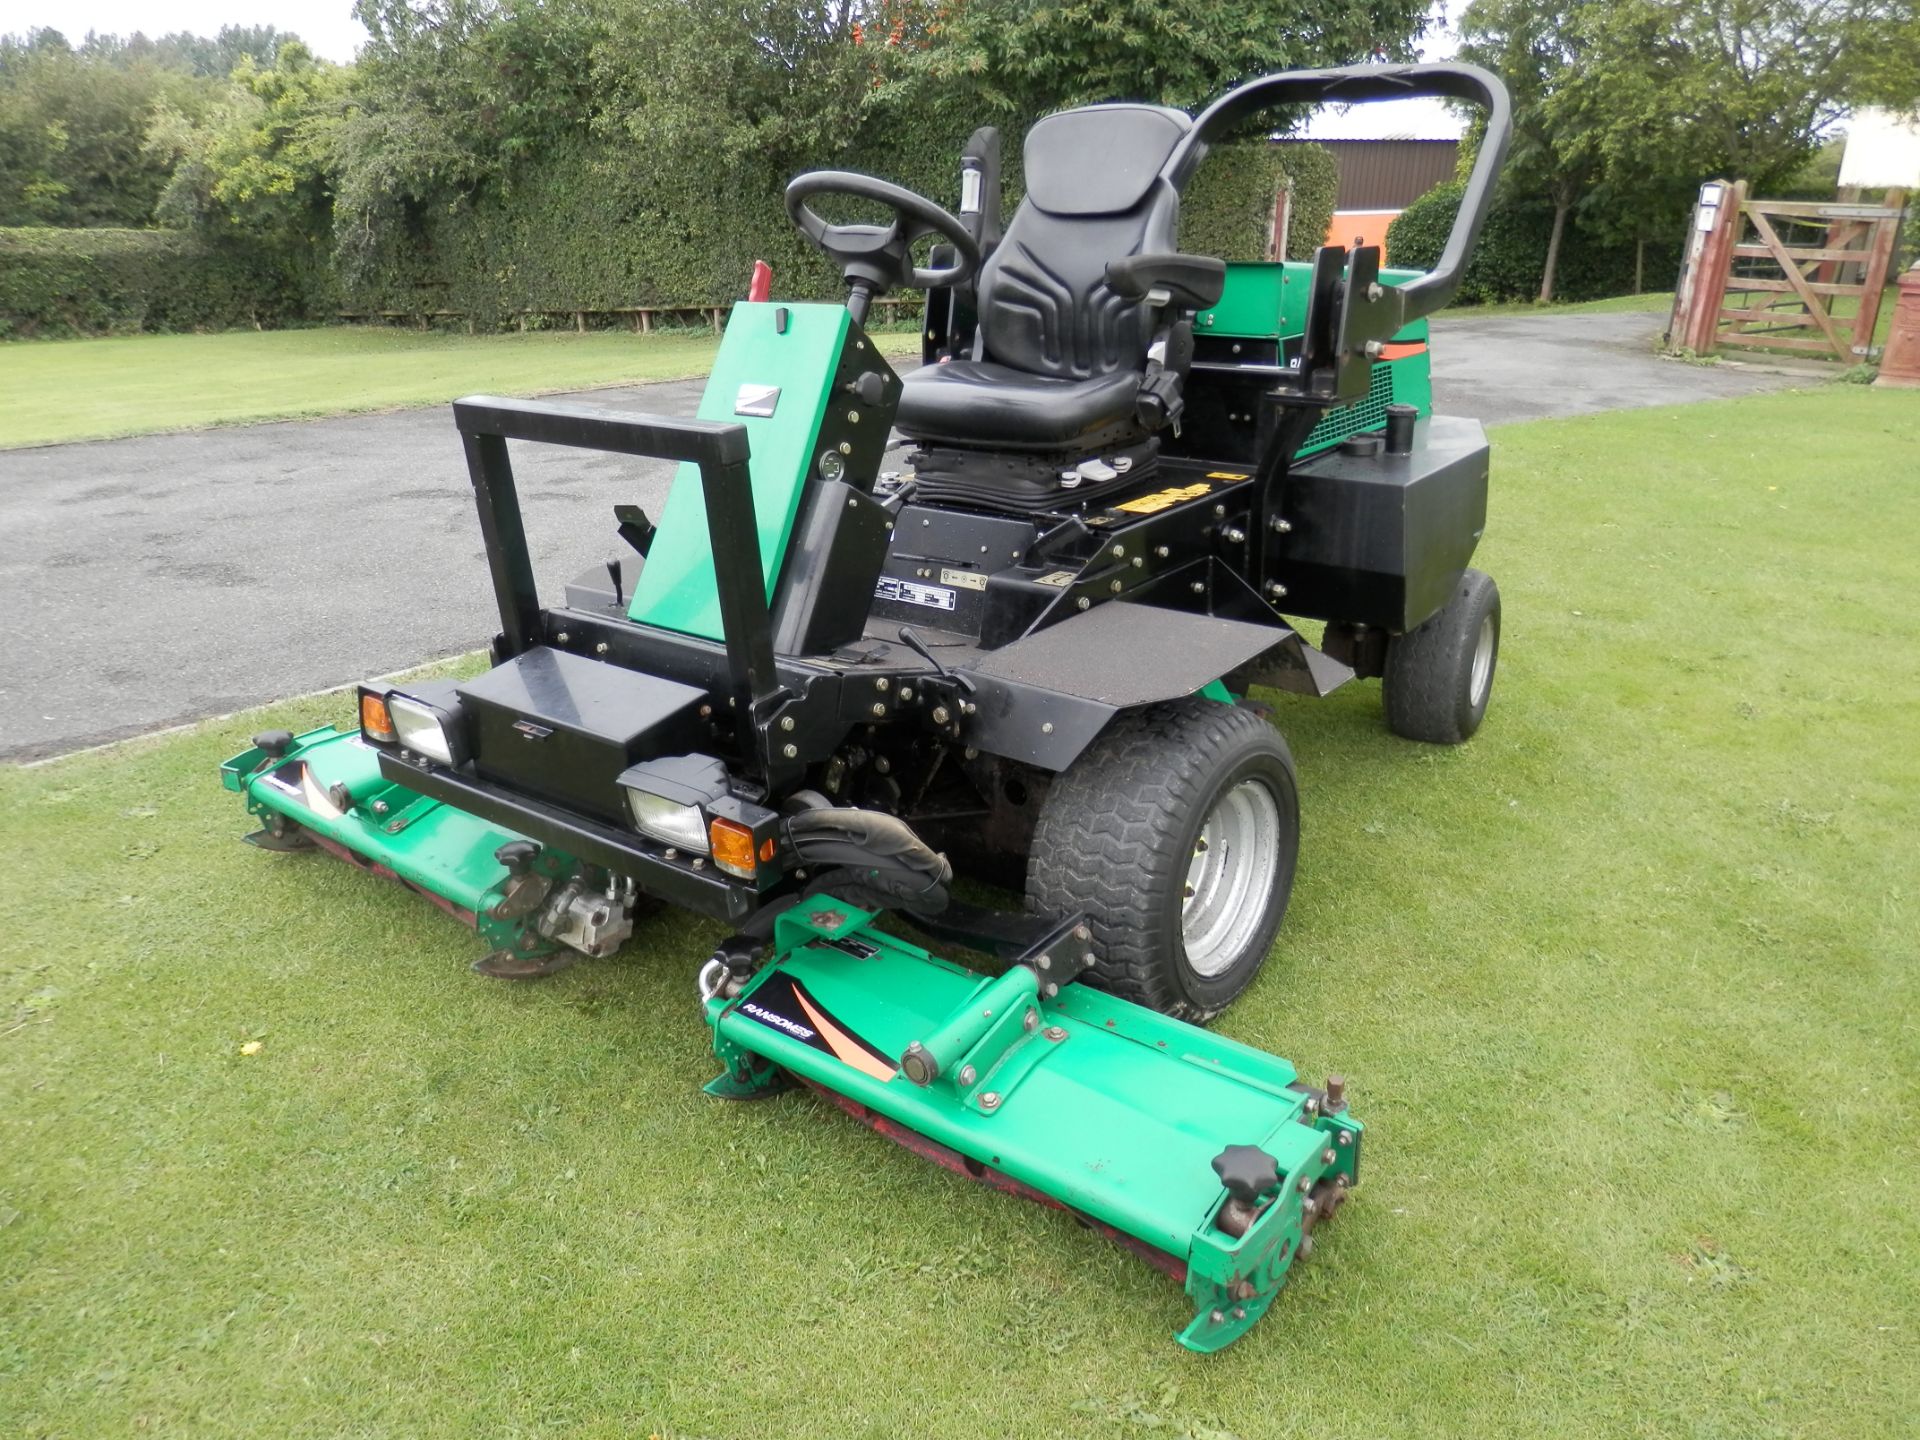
column 1367, row 414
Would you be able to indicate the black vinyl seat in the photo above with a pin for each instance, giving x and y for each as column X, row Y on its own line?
column 975, row 402
column 1059, row 356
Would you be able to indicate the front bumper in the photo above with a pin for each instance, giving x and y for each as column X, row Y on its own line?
column 686, row 881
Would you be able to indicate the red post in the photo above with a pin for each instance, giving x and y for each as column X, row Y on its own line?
column 760, row 287
column 1900, row 361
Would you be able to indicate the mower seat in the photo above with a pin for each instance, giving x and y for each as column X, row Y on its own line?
column 1059, row 354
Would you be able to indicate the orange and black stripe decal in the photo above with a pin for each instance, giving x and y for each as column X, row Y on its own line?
column 783, row 1005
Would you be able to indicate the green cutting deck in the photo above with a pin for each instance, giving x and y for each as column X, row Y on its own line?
column 1110, row 1109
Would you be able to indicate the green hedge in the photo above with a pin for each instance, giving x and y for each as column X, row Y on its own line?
column 595, row 227
column 1512, row 254
column 98, row 282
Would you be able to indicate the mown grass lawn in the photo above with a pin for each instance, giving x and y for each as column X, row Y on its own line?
column 1625, row 989
column 59, row 390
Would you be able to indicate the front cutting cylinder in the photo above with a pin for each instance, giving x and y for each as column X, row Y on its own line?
column 1211, row 1156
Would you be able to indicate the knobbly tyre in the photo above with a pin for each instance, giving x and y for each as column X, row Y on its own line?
column 795, row 695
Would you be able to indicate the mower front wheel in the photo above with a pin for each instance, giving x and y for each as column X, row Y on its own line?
column 1176, row 833
column 1439, row 677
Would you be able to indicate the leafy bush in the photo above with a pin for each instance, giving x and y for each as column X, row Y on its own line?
column 596, row 227
column 94, row 282
column 1512, row 253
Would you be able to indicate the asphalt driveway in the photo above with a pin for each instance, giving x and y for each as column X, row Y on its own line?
column 160, row 579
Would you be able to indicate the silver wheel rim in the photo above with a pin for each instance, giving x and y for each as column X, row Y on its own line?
column 1231, row 877
column 1482, row 664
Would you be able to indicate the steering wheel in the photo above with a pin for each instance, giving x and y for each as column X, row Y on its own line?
column 881, row 255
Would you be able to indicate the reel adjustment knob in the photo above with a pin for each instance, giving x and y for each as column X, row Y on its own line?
column 517, row 855
column 1247, row 1171
column 276, row 743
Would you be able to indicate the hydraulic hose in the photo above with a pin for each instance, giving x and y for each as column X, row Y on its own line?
column 880, row 853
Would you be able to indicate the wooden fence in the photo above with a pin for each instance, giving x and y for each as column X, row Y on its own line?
column 1774, row 274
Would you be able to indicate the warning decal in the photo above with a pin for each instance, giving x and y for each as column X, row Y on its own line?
column 1164, row 499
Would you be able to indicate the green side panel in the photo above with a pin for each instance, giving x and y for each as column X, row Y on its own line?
column 444, row 851
column 1254, row 299
column 1265, row 301
column 676, row 589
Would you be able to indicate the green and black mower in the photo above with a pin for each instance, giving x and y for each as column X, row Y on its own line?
column 813, row 679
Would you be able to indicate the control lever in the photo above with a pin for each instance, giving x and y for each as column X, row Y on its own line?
column 911, row 639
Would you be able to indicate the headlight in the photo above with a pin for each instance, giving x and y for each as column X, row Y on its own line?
column 429, row 730
column 668, row 821
column 667, row 797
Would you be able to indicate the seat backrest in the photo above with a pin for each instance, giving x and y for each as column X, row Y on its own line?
column 1094, row 194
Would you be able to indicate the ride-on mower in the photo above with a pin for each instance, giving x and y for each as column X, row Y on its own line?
column 811, row 681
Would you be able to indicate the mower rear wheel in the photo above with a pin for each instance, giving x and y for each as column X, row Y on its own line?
column 1176, row 833
column 1439, row 677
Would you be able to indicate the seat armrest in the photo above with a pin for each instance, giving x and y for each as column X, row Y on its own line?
column 1195, row 281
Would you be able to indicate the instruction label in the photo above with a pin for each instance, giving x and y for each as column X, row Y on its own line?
column 908, row 592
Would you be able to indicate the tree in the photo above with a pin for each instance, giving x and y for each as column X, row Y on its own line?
column 72, row 125
column 1538, row 49
column 1015, row 59
column 260, row 162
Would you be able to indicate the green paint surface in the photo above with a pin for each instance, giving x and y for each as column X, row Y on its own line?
column 676, row 589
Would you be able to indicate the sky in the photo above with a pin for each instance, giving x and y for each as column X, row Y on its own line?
column 327, row 26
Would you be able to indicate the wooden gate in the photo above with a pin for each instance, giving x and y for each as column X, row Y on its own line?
column 1788, row 275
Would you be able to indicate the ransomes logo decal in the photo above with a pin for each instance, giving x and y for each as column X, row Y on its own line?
column 778, row 1022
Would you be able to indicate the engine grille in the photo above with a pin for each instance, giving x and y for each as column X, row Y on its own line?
column 1367, row 414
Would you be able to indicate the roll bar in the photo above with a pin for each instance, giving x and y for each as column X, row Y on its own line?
column 1348, row 310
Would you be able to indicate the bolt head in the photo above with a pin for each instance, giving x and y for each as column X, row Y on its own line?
column 879, row 709
column 1119, row 551
column 990, row 1100
column 906, row 693
column 601, row 648
column 1305, row 1185
column 1346, row 1137
column 968, row 1075
column 1084, row 603
column 1218, row 1317
column 786, row 722
column 1239, row 1312
column 1162, row 551
column 1198, row 587
column 563, row 637
column 881, row 682
column 1046, row 728
column 1056, row 1032
column 790, row 751
column 1328, row 1156
column 1030, row 1021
